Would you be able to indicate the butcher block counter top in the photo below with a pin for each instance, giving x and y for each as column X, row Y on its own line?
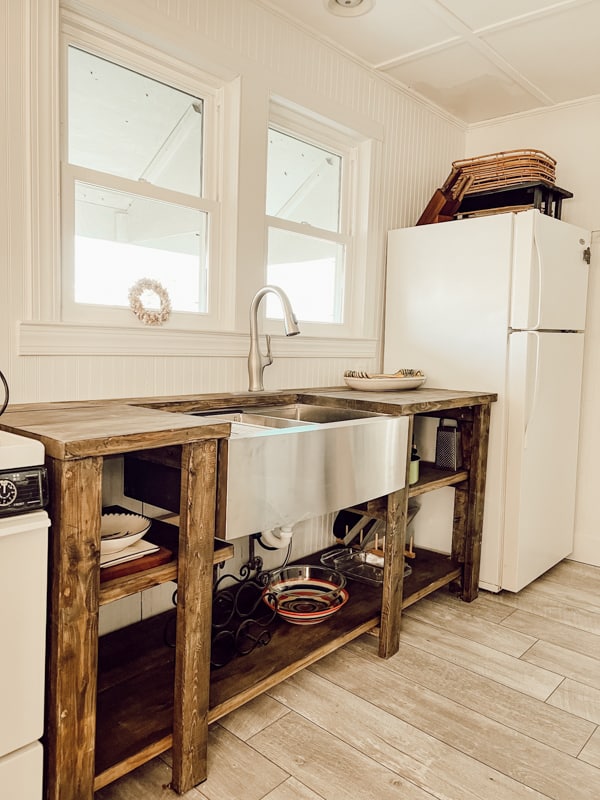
column 105, row 427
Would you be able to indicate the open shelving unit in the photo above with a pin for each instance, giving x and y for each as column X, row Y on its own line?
column 136, row 665
column 115, row 702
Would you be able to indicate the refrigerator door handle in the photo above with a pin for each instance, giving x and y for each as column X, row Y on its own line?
column 533, row 381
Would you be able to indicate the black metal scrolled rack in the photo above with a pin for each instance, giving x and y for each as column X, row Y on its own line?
column 240, row 618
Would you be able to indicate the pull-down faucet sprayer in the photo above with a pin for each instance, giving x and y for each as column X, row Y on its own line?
column 257, row 361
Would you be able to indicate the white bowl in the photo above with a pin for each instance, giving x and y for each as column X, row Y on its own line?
column 385, row 384
column 125, row 528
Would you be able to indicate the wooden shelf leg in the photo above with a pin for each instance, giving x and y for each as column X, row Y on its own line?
column 393, row 570
column 477, row 470
column 76, row 495
column 194, row 612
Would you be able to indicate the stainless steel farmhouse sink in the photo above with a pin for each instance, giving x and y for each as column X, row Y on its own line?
column 285, row 464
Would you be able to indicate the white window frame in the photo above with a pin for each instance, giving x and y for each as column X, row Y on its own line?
column 140, row 58
column 355, row 151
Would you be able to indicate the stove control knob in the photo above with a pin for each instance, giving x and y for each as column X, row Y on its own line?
column 8, row 493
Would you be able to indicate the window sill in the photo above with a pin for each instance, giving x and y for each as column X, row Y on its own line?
column 64, row 339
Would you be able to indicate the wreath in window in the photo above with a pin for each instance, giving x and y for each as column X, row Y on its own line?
column 146, row 315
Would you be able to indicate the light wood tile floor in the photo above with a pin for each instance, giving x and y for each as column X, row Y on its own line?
column 494, row 700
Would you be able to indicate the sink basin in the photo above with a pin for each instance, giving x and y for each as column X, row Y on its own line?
column 306, row 412
column 286, row 464
column 251, row 419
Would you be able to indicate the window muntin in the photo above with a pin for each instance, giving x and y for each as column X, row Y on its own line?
column 307, row 227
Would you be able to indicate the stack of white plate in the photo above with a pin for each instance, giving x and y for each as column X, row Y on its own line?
column 119, row 531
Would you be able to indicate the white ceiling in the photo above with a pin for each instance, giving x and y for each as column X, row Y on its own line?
column 476, row 59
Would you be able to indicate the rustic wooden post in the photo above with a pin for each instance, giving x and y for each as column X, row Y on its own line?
column 76, row 491
column 393, row 571
column 194, row 610
column 474, row 527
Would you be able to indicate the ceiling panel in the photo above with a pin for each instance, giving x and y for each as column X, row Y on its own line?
column 482, row 13
column 559, row 53
column 392, row 29
column 517, row 54
column 465, row 83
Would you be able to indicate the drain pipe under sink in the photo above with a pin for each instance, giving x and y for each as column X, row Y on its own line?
column 276, row 538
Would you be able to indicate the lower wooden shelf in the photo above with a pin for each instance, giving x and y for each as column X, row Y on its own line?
column 134, row 711
column 136, row 668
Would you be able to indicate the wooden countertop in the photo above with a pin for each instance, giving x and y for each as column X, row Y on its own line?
column 413, row 401
column 105, row 427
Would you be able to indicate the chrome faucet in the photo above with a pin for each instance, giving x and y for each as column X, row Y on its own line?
column 257, row 361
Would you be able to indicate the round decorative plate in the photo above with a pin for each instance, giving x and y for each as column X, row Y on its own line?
column 119, row 531
column 386, row 384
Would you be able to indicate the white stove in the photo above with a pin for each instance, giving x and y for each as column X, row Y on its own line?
column 23, row 580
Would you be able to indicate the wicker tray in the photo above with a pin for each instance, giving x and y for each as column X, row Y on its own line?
column 506, row 168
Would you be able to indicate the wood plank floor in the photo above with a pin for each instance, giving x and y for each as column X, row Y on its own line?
column 494, row 700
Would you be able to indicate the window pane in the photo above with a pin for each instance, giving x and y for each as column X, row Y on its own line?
column 303, row 182
column 121, row 238
column 125, row 124
column 310, row 271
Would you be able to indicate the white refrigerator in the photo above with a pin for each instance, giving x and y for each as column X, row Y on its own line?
column 498, row 304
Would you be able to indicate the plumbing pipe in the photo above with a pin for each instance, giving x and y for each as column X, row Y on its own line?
column 276, row 538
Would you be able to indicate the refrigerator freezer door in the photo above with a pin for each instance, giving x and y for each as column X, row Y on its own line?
column 550, row 275
column 544, row 390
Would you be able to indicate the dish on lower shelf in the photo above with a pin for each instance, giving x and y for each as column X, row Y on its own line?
column 304, row 594
column 306, row 607
column 118, row 531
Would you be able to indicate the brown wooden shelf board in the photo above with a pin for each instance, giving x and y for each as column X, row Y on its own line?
column 134, row 715
column 136, row 667
column 141, row 756
column 291, row 648
column 137, row 582
column 432, row 477
column 430, row 571
column 140, row 577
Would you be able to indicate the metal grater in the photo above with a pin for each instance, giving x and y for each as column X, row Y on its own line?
column 448, row 453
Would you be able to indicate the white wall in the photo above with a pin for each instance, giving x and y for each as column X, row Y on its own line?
column 570, row 135
column 229, row 38
column 232, row 39
column 238, row 37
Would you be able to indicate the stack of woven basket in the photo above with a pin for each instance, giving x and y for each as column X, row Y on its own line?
column 495, row 170
column 490, row 172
